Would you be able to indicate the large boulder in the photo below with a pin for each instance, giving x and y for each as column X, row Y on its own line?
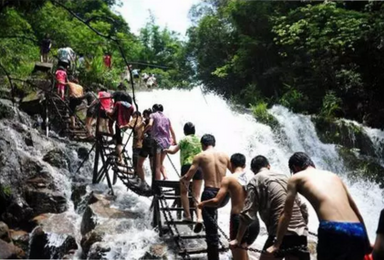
column 4, row 232
column 6, row 109
column 9, row 251
column 78, row 193
column 20, row 238
column 89, row 239
column 345, row 133
column 53, row 241
column 98, row 251
column 158, row 251
column 45, row 201
column 56, row 157
column 99, row 208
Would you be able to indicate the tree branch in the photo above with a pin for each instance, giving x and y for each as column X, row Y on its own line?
column 10, row 83
column 108, row 37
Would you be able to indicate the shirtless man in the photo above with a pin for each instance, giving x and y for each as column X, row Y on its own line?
column 266, row 194
column 342, row 233
column 213, row 165
column 235, row 185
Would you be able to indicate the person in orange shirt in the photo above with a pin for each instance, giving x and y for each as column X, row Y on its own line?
column 76, row 96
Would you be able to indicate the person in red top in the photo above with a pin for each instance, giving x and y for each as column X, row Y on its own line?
column 106, row 104
column 121, row 113
column 108, row 60
column 61, row 81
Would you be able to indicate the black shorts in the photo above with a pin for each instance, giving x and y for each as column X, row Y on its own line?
column 118, row 135
column 135, row 156
column 103, row 114
column 73, row 103
column 297, row 246
column 91, row 112
column 147, row 149
column 198, row 175
column 251, row 233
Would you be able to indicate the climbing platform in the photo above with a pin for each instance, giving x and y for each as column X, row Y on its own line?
column 57, row 112
column 167, row 219
column 106, row 155
column 43, row 66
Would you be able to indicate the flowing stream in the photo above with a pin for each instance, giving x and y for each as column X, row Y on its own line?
column 235, row 130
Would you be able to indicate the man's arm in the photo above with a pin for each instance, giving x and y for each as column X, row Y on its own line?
column 192, row 170
column 150, row 124
column 357, row 212
column 248, row 214
column 215, row 202
column 173, row 149
column 286, row 215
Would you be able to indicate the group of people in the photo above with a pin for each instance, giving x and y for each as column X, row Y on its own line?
column 274, row 196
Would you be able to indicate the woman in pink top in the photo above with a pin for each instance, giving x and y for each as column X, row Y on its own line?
column 161, row 131
column 106, row 105
column 61, row 81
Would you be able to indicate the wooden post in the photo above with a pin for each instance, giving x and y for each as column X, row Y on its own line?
column 46, row 115
column 156, row 222
column 97, row 153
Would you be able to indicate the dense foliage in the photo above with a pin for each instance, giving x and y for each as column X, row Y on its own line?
column 324, row 58
column 25, row 23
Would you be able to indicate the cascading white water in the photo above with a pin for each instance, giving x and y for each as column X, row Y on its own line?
column 235, row 132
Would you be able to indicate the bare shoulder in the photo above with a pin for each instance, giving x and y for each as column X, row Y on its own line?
column 224, row 156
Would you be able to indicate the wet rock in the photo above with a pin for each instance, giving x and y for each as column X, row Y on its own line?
column 57, row 158
column 6, row 109
column 82, row 152
column 89, row 239
column 20, row 238
column 17, row 213
column 99, row 207
column 98, row 251
column 9, row 251
column 45, row 201
column 4, row 232
column 158, row 251
column 78, row 192
column 38, row 242
column 344, row 133
column 51, row 239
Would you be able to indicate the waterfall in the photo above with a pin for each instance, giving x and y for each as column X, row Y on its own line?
column 235, row 130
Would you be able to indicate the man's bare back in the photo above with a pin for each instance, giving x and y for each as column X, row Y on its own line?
column 327, row 194
column 214, row 166
column 237, row 192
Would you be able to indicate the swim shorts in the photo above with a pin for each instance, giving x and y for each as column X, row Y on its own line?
column 250, row 234
column 73, row 103
column 340, row 240
column 118, row 136
column 292, row 245
column 103, row 114
column 135, row 156
column 91, row 112
column 146, row 150
column 210, row 218
column 198, row 175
